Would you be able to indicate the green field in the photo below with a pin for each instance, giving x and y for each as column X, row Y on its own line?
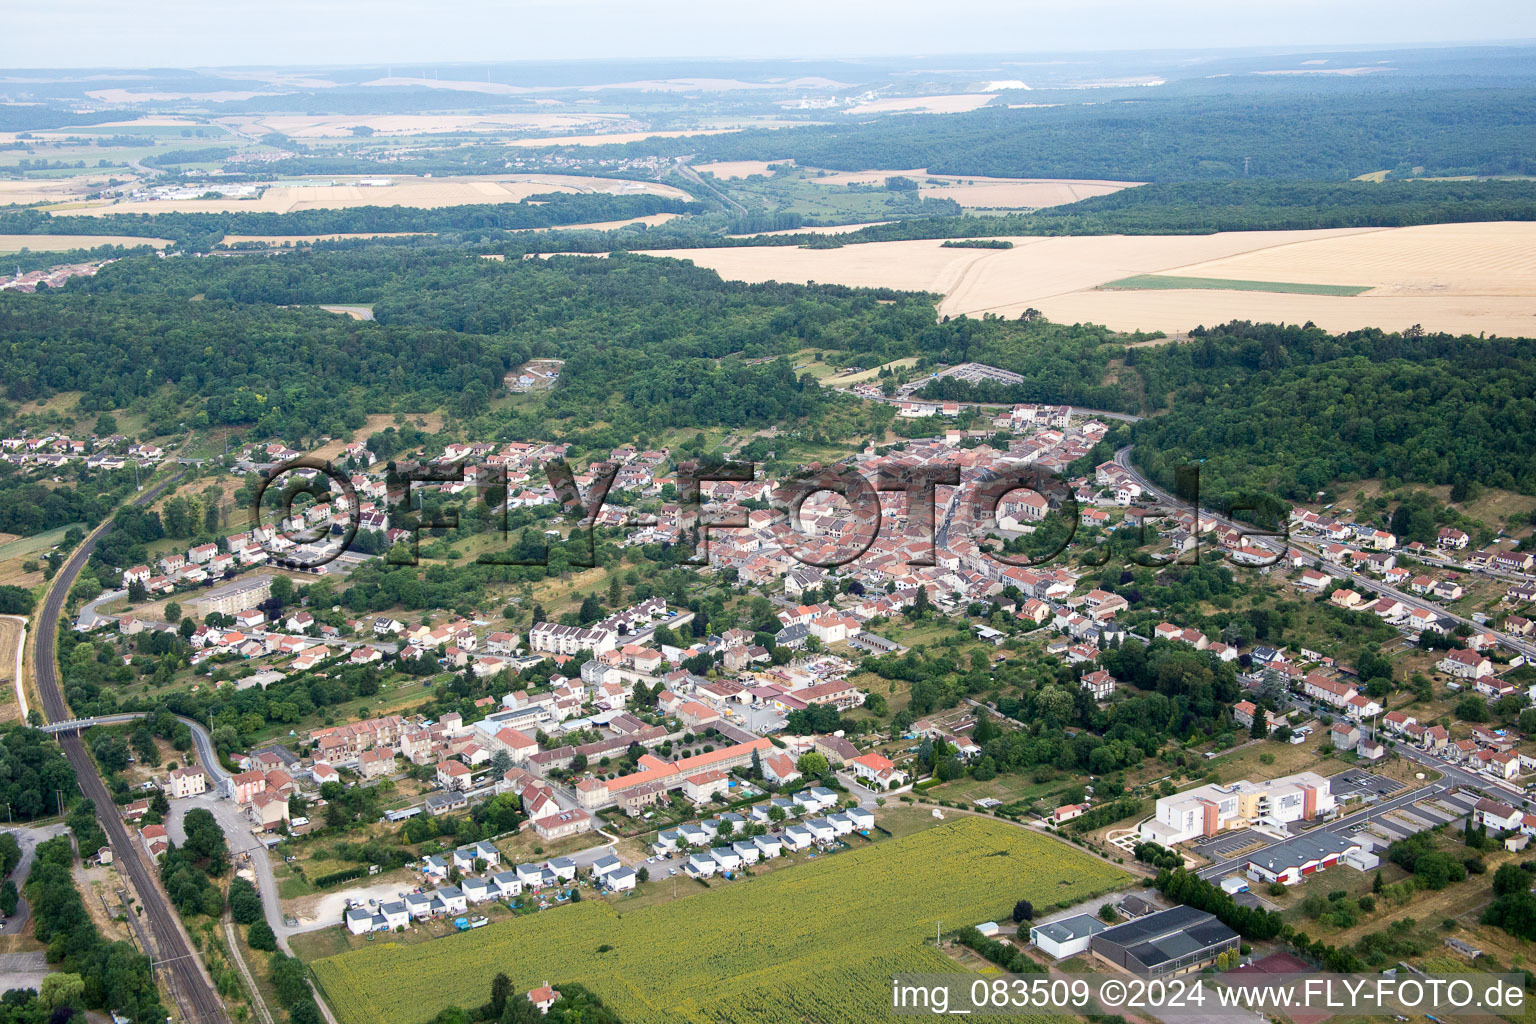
column 1166, row 282
column 818, row 942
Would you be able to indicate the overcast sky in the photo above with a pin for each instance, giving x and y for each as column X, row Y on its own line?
column 184, row 33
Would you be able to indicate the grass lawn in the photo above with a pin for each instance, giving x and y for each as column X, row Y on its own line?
column 1140, row 282
column 35, row 544
column 871, row 373
column 528, row 846
column 289, row 885
column 1010, row 788
column 1272, row 759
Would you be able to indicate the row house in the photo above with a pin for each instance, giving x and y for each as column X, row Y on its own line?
column 1329, row 691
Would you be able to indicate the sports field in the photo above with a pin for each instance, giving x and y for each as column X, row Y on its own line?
column 816, row 942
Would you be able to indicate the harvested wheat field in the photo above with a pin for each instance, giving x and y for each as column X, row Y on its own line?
column 10, row 666
column 58, row 243
column 825, row 229
column 649, row 220
column 727, row 169
column 403, row 190
column 1009, row 193
column 47, row 190
column 977, row 191
column 617, row 137
column 1462, row 278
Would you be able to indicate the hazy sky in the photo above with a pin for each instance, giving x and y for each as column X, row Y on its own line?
column 182, row 33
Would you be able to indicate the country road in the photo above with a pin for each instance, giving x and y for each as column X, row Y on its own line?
column 181, row 969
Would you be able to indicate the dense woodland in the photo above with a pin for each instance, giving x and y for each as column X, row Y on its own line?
column 652, row 343
column 116, row 976
column 1324, row 136
column 1275, row 411
column 1287, row 411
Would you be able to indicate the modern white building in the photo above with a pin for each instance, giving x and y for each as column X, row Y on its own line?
column 1209, row 809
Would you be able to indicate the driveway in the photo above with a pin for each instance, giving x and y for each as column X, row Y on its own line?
column 245, row 850
column 89, row 618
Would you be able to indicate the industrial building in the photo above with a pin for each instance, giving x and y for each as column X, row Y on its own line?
column 1066, row 937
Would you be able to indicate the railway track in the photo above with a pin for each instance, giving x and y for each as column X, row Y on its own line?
column 178, row 965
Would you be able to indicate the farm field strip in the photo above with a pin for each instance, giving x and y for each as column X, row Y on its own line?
column 1168, row 282
column 818, row 941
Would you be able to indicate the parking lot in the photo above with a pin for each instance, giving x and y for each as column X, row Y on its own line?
column 761, row 720
column 1230, row 844
column 1353, row 783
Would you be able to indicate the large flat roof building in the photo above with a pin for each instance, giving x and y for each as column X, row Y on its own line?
column 1169, row 942
column 1295, row 859
column 234, row 597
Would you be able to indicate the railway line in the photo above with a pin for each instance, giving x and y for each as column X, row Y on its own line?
column 173, row 955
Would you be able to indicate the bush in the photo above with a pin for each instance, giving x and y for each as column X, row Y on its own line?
column 337, row 877
column 1436, row 870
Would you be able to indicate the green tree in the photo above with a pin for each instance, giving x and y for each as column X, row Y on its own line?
column 812, row 764
column 260, row 936
column 244, row 902
column 62, row 990
column 501, row 991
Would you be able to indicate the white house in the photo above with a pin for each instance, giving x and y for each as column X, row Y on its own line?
column 453, row 899
column 798, row 837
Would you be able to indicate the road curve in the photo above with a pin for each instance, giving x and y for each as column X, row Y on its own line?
column 182, row 971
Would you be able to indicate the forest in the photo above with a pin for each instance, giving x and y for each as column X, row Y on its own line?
column 1275, row 411
column 1322, row 136
column 33, row 773
column 652, row 343
column 1287, row 411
